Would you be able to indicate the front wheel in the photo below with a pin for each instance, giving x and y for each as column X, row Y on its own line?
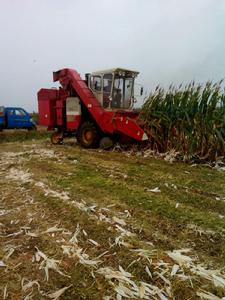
column 57, row 138
column 88, row 135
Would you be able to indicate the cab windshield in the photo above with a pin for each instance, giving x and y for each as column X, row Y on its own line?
column 122, row 92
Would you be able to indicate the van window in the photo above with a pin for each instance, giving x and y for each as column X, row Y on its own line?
column 10, row 112
column 19, row 112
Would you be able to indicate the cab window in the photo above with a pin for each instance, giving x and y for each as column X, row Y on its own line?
column 107, row 86
column 107, row 83
column 96, row 83
column 118, row 89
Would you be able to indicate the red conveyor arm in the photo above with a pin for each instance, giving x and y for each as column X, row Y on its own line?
column 69, row 77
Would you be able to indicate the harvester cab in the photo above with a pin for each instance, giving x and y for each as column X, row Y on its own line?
column 114, row 88
column 97, row 111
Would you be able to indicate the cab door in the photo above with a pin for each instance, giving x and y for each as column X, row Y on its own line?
column 22, row 119
column 96, row 87
column 107, row 89
column 10, row 118
column 18, row 118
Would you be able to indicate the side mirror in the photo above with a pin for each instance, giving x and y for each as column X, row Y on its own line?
column 141, row 91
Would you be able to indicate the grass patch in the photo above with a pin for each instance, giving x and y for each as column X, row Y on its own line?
column 22, row 135
column 98, row 186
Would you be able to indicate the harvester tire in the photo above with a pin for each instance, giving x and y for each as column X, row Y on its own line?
column 88, row 135
column 56, row 138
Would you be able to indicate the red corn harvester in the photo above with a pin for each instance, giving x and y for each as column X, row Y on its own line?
column 98, row 111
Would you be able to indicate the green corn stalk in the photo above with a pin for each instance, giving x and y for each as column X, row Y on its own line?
column 189, row 119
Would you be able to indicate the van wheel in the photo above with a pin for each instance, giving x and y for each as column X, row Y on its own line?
column 56, row 138
column 88, row 135
column 33, row 128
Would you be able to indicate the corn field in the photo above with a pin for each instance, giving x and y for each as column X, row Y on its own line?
column 189, row 119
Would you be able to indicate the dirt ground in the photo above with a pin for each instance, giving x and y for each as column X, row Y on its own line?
column 92, row 224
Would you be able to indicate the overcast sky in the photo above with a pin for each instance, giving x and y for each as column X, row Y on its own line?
column 166, row 40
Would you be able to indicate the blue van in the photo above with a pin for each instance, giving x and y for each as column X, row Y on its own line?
column 15, row 117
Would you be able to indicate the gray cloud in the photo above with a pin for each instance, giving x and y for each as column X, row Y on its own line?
column 166, row 40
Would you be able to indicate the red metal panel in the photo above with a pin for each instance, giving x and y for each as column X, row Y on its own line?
column 46, row 106
column 73, row 122
column 59, row 112
column 129, row 127
column 50, row 106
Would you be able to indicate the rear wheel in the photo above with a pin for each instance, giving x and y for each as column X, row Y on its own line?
column 88, row 135
column 56, row 138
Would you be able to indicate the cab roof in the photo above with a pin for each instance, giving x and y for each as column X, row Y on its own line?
column 117, row 71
